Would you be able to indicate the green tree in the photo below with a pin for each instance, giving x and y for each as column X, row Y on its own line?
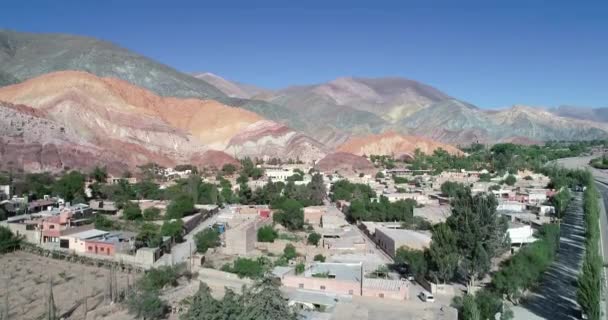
column 228, row 169
column 99, row 174
column 173, row 229
column 469, row 308
column 300, row 268
column 319, row 257
column 379, row 175
column 179, row 207
column 267, row 234
column 203, row 306
column 451, row 189
column 8, row 240
column 313, row 239
column 146, row 304
column 510, row 180
column 265, row 301
column 290, row 215
column 289, row 252
column 131, row 211
column 70, row 185
column 415, row 259
column 151, row 213
column 149, row 235
column 443, row 253
column 318, row 191
column 208, row 238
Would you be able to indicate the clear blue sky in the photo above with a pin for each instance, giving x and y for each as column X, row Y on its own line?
column 490, row 53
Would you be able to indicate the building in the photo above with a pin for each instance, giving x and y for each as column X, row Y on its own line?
column 103, row 206
column 392, row 239
column 313, row 214
column 241, row 238
column 343, row 279
column 520, row 234
column 279, row 174
column 116, row 180
column 75, row 240
column 5, row 192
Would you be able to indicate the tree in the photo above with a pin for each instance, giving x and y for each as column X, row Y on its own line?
column 379, row 175
column 451, row 189
column 228, row 169
column 510, row 180
column 290, row 214
column 146, row 304
column 131, row 211
column 70, row 185
column 203, row 306
column 480, row 233
column 317, row 189
column 151, row 213
column 8, row 240
column 319, row 257
column 267, row 234
column 208, row 238
column 415, row 259
column 173, row 229
column 264, row 301
column 289, row 252
column 149, row 235
column 300, row 268
column 313, row 239
column 179, row 207
column 443, row 253
column 469, row 308
column 99, row 174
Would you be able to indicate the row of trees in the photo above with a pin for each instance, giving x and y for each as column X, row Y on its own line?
column 262, row 301
column 589, row 282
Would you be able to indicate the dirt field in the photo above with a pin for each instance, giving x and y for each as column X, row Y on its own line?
column 28, row 286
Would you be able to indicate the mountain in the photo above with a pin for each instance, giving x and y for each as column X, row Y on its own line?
column 455, row 122
column 345, row 164
column 582, row 113
column 126, row 123
column 392, row 143
column 233, row 89
column 27, row 55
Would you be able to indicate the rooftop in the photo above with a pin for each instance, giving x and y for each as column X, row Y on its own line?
column 404, row 237
column 89, row 234
column 383, row 284
column 338, row 271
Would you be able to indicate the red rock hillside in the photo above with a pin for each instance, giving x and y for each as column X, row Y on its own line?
column 392, row 143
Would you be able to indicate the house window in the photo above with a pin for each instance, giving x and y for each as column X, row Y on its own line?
column 101, row 249
column 90, row 248
column 52, row 227
column 322, row 287
column 381, row 295
column 350, row 292
column 301, row 285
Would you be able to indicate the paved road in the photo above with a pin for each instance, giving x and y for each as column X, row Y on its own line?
column 601, row 178
column 555, row 298
column 181, row 251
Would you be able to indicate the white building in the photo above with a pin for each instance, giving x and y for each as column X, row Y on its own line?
column 521, row 234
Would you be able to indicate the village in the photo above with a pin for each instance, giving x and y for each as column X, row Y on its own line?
column 332, row 265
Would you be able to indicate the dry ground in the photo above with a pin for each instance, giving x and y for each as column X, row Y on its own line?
column 28, row 283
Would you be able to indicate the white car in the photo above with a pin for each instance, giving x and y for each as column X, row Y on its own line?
column 426, row 297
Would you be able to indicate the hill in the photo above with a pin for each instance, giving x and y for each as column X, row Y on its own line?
column 392, row 143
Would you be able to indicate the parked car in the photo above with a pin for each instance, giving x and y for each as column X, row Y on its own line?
column 426, row 297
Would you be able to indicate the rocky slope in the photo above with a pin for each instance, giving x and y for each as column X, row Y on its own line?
column 582, row 113
column 133, row 124
column 392, row 143
column 233, row 89
column 346, row 164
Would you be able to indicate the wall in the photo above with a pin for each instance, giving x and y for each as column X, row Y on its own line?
column 31, row 236
column 402, row 294
column 331, row 285
column 101, row 248
column 385, row 242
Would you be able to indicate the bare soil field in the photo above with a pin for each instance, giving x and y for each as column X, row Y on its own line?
column 25, row 277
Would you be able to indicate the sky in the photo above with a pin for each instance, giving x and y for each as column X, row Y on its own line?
column 490, row 53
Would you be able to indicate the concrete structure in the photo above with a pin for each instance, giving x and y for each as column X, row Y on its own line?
column 76, row 241
column 392, row 239
column 116, row 180
column 511, row 206
column 103, row 206
column 312, row 215
column 241, row 239
column 279, row 174
column 344, row 279
column 520, row 234
column 5, row 192
column 434, row 213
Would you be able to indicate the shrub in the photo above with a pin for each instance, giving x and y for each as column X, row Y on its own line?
column 289, row 252
column 319, row 257
column 173, row 229
column 510, row 180
column 299, row 268
column 313, row 239
column 208, row 238
column 151, row 213
column 267, row 234
column 131, row 211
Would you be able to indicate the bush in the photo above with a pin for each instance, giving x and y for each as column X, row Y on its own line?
column 248, row 268
column 267, row 234
column 146, row 305
column 290, row 215
column 319, row 257
column 510, row 180
column 299, row 268
column 179, row 207
column 8, row 241
column 379, row 175
column 151, row 213
column 289, row 252
column 158, row 278
column 313, row 239
column 173, row 229
column 208, row 238
column 131, row 211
